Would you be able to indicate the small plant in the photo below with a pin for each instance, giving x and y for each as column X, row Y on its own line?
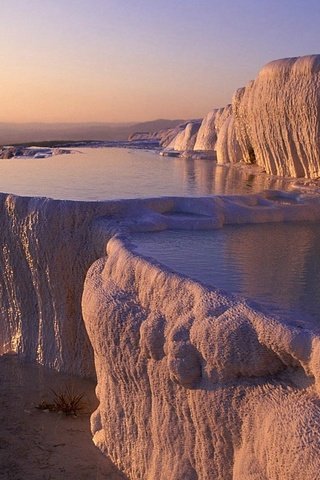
column 66, row 401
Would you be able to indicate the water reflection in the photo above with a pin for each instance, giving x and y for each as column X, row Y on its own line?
column 230, row 179
column 197, row 175
column 276, row 265
column 205, row 177
column 108, row 173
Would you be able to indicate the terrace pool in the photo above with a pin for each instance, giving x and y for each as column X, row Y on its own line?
column 274, row 264
column 115, row 173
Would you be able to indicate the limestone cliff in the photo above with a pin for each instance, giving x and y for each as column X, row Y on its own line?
column 46, row 248
column 196, row 385
column 277, row 118
column 273, row 122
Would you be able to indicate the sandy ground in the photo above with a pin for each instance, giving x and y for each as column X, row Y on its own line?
column 41, row 445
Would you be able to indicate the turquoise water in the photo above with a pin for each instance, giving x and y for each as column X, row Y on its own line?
column 276, row 265
column 114, row 173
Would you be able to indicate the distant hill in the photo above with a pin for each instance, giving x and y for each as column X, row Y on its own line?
column 11, row 133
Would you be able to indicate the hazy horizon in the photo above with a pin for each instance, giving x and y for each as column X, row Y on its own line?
column 116, row 61
column 116, row 124
column 26, row 132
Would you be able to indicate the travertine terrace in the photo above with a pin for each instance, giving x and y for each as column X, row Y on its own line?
column 193, row 383
column 185, row 373
column 273, row 122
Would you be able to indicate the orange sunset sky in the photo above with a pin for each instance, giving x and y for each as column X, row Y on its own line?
column 133, row 60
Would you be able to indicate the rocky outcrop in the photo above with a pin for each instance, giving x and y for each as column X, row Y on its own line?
column 185, row 139
column 193, row 383
column 47, row 247
column 274, row 122
column 227, row 145
column 196, row 385
column 276, row 118
column 8, row 152
column 169, row 135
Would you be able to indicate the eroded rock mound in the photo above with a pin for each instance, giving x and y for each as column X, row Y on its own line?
column 186, row 137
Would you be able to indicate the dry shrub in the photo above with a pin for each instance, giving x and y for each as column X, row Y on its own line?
column 66, row 401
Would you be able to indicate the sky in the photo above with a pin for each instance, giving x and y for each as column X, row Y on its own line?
column 136, row 60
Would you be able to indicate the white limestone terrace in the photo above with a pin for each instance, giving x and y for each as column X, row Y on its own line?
column 273, row 122
column 192, row 383
column 48, row 246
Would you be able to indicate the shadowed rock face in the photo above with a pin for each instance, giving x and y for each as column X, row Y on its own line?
column 46, row 249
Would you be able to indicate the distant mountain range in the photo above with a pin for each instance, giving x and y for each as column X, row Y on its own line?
column 13, row 133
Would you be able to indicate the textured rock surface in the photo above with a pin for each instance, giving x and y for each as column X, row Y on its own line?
column 186, row 138
column 207, row 135
column 210, row 128
column 277, row 117
column 227, row 145
column 273, row 122
column 47, row 247
column 194, row 384
column 168, row 135
column 191, row 383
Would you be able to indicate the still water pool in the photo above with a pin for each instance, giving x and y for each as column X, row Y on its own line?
column 276, row 265
column 114, row 173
